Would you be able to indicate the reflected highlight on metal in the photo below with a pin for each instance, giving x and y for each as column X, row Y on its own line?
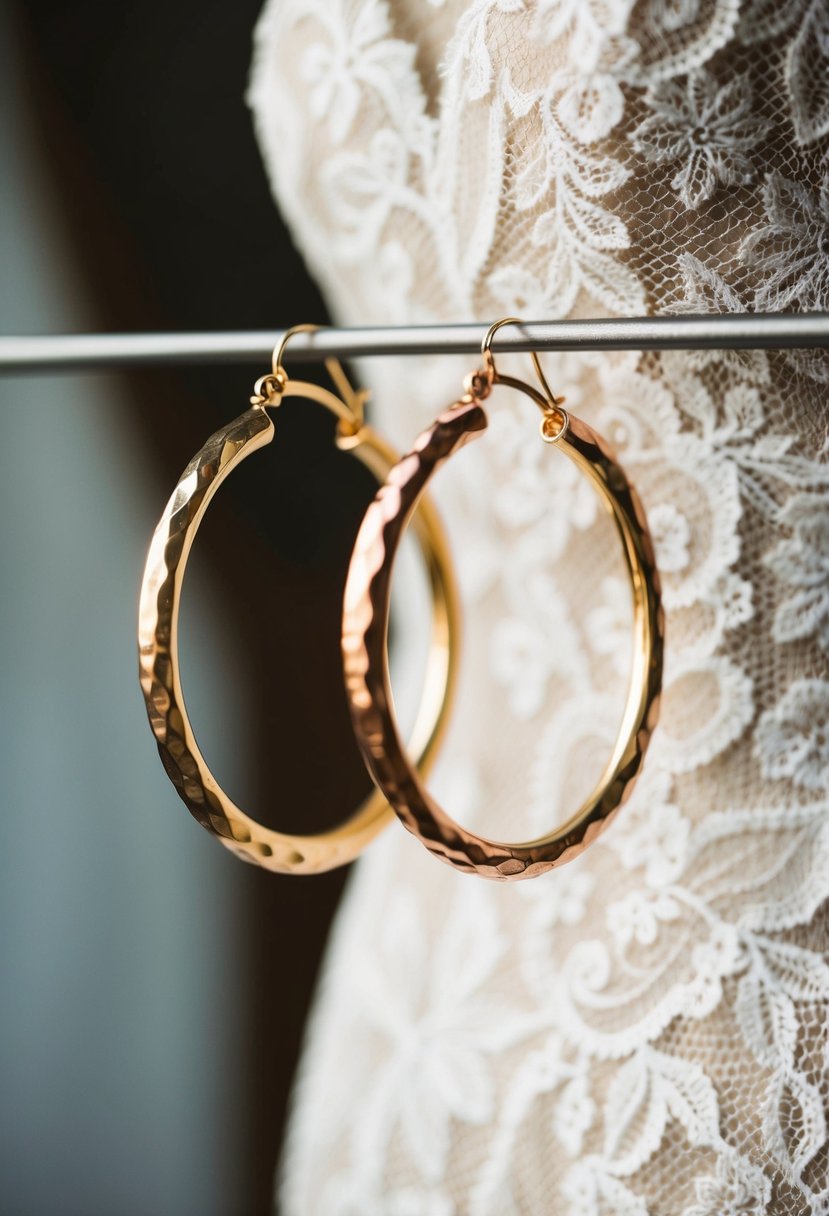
column 158, row 637
column 365, row 626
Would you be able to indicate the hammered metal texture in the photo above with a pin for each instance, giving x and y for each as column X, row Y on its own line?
column 365, row 625
column 159, row 668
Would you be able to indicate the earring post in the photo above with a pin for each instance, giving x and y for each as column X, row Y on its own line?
column 88, row 352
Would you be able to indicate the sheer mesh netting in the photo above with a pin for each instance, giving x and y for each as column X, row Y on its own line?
column 644, row 1030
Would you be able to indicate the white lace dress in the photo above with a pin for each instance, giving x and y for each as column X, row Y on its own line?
column 644, row 1030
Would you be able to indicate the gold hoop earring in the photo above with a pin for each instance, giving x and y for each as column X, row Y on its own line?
column 365, row 622
column 158, row 627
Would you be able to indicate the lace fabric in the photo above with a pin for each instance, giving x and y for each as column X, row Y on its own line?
column 644, row 1030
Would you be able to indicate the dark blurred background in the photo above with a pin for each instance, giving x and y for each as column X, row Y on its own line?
column 154, row 989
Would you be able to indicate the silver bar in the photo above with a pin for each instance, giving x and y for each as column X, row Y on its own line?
column 84, row 352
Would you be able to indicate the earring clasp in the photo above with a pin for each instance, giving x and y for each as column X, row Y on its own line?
column 270, row 389
column 555, row 420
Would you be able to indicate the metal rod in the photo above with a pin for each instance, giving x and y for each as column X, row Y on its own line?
column 83, row 352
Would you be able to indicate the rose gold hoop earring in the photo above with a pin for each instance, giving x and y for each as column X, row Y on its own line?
column 365, row 622
column 159, row 612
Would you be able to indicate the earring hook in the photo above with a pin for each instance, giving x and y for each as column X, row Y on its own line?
column 269, row 389
column 556, row 420
column 278, row 356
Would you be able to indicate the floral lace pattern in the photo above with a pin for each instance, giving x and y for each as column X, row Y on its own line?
column 645, row 1030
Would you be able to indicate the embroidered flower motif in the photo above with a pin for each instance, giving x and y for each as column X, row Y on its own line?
column 802, row 561
column 736, row 1188
column 356, row 56
column 654, row 833
column 730, row 424
column 591, row 101
column 566, row 905
column 361, row 188
column 680, row 971
column 710, row 129
column 790, row 251
column 673, row 38
column 792, row 740
column 637, row 917
column 439, row 1026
